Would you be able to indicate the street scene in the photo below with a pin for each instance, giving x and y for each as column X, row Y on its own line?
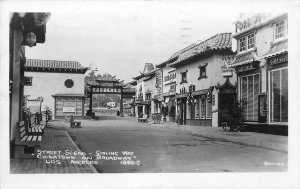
column 108, row 90
column 157, row 149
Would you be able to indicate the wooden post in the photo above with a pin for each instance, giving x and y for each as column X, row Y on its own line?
column 121, row 103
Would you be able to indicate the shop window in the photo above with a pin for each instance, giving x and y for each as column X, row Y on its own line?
column 202, row 71
column 203, row 107
column 197, row 112
column 247, row 42
column 28, row 81
column 280, row 30
column 242, row 44
column 192, row 110
column 209, row 109
column 249, row 92
column 279, row 95
column 251, row 41
column 183, row 77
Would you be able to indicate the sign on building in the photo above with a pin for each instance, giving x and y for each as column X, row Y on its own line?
column 68, row 109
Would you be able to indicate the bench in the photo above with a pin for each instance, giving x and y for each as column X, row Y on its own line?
column 28, row 139
column 35, row 128
column 143, row 119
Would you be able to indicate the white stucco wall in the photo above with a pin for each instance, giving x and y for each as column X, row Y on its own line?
column 213, row 72
column 47, row 84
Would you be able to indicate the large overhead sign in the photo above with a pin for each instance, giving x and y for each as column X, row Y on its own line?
column 248, row 20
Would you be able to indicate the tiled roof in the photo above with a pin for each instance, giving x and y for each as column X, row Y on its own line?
column 53, row 65
column 215, row 43
column 175, row 56
column 277, row 48
column 244, row 59
column 69, row 95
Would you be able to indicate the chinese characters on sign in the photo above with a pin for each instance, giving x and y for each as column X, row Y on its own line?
column 158, row 76
column 170, row 77
column 245, row 68
column 278, row 60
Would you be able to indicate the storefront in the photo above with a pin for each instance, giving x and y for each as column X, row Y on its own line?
column 200, row 108
column 249, row 82
column 182, row 107
column 262, row 70
column 170, row 104
column 200, row 80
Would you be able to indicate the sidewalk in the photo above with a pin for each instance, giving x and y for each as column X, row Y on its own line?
column 53, row 139
column 274, row 142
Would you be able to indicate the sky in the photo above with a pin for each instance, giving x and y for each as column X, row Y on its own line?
column 119, row 38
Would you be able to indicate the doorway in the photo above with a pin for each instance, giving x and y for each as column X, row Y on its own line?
column 140, row 111
column 225, row 103
column 183, row 111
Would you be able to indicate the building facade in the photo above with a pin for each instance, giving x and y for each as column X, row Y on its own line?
column 59, row 83
column 148, row 92
column 203, row 87
column 168, row 87
column 262, row 68
column 25, row 29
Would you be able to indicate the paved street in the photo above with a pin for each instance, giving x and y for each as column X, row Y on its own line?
column 161, row 149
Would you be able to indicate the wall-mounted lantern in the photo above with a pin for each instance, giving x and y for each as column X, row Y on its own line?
column 30, row 39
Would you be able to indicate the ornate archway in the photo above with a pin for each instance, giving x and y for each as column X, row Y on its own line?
column 108, row 85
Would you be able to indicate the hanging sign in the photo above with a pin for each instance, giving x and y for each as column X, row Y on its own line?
column 158, row 77
column 262, row 108
column 245, row 68
column 68, row 109
column 227, row 72
column 248, row 20
column 279, row 59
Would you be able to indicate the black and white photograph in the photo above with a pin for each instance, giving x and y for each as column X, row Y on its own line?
column 149, row 94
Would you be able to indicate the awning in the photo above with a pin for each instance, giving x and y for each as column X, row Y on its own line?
column 183, row 95
column 169, row 94
column 277, row 49
column 244, row 59
column 200, row 92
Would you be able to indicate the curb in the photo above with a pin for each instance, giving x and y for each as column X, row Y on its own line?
column 249, row 142
column 93, row 169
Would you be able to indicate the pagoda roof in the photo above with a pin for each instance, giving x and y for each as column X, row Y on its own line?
column 39, row 65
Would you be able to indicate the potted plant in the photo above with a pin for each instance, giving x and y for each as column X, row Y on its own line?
column 235, row 116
